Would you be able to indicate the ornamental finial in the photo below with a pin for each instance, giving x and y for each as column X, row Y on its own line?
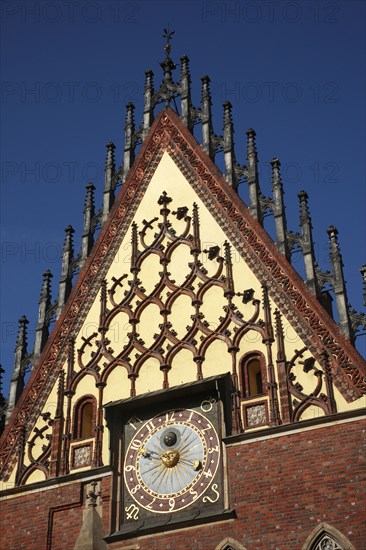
column 168, row 35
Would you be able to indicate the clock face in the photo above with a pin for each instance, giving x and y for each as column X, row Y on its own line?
column 172, row 460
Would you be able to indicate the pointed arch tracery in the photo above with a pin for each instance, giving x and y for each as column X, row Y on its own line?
column 98, row 355
column 326, row 537
column 229, row 544
column 125, row 294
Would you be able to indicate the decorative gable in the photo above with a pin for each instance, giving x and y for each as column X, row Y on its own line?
column 182, row 284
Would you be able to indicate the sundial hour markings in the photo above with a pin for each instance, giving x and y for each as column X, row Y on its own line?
column 172, row 473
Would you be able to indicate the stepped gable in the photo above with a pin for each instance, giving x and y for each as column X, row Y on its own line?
column 302, row 309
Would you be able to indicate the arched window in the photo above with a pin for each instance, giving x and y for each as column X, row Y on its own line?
column 326, row 537
column 327, row 543
column 86, row 427
column 253, row 375
column 229, row 544
column 84, row 417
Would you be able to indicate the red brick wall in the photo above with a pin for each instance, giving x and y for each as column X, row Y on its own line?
column 44, row 520
column 281, row 488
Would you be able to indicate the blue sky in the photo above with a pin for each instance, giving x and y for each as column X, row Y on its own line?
column 293, row 70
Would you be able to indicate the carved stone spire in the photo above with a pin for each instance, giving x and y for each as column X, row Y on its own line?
column 110, row 170
column 279, row 209
column 363, row 273
column 129, row 150
column 206, row 116
column 307, row 244
column 339, row 283
column 17, row 380
column 185, row 92
column 66, row 269
column 253, row 179
column 228, row 145
column 148, row 106
column 43, row 318
column 87, row 240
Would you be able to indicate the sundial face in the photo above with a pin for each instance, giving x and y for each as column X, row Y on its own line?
column 172, row 460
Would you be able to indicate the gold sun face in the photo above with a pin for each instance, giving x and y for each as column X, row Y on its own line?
column 172, row 460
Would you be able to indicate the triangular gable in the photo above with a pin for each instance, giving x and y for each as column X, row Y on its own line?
column 168, row 134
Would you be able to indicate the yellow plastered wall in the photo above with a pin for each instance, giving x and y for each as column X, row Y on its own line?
column 183, row 369
column 168, row 178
